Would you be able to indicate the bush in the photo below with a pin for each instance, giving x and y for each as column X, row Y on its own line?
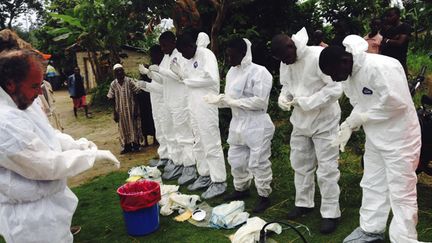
column 416, row 60
column 99, row 95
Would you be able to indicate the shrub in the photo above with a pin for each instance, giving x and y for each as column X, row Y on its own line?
column 99, row 95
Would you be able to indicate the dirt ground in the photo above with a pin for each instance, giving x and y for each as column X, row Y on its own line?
column 102, row 130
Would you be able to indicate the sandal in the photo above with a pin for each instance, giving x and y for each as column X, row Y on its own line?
column 75, row 229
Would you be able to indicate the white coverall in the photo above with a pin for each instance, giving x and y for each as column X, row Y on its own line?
column 35, row 159
column 201, row 78
column 251, row 129
column 177, row 127
column 378, row 89
column 315, row 123
column 159, row 111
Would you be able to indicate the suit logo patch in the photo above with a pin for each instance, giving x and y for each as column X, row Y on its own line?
column 367, row 91
column 195, row 64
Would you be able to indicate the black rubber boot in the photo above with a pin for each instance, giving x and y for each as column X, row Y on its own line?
column 261, row 205
column 328, row 225
column 237, row 195
column 298, row 212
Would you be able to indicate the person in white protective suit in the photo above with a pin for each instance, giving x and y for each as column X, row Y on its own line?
column 247, row 93
column 378, row 90
column 315, row 121
column 177, row 127
column 200, row 74
column 35, row 159
column 159, row 109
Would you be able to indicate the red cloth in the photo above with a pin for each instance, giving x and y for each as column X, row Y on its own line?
column 79, row 102
column 138, row 195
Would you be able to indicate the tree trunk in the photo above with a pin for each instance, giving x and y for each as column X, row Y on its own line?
column 221, row 9
column 94, row 64
column 11, row 17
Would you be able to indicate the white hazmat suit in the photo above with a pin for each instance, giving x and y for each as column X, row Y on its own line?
column 177, row 128
column 251, row 130
column 35, row 159
column 378, row 91
column 315, row 121
column 159, row 111
column 201, row 78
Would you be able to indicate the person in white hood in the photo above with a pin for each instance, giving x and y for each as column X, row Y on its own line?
column 177, row 127
column 378, row 90
column 247, row 93
column 35, row 159
column 315, row 121
column 200, row 74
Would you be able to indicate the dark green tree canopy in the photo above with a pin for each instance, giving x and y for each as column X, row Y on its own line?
column 11, row 9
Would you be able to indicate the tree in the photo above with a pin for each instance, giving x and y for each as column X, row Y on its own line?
column 203, row 15
column 11, row 9
column 101, row 27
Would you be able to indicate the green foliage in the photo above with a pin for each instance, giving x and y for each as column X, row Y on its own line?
column 99, row 95
column 419, row 16
column 416, row 60
column 355, row 13
column 148, row 40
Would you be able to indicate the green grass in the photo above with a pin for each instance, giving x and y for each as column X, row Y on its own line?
column 100, row 215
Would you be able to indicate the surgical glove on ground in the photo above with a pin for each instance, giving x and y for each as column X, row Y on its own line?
column 356, row 120
column 283, row 103
column 154, row 68
column 143, row 70
column 231, row 102
column 213, row 99
column 175, row 68
column 343, row 136
column 107, row 155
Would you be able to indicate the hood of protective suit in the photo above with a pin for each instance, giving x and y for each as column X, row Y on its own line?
column 235, row 89
column 203, row 40
column 357, row 46
column 5, row 98
column 300, row 40
column 247, row 59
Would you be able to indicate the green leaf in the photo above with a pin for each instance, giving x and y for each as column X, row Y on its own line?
column 59, row 31
column 62, row 37
column 67, row 19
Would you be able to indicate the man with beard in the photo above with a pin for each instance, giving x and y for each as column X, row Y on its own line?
column 35, row 159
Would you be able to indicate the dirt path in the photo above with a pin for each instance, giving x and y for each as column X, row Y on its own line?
column 100, row 129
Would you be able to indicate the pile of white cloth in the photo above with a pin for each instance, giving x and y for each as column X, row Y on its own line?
column 229, row 215
column 144, row 172
column 178, row 202
column 250, row 232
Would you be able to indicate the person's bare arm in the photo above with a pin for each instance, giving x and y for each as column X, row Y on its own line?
column 399, row 40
